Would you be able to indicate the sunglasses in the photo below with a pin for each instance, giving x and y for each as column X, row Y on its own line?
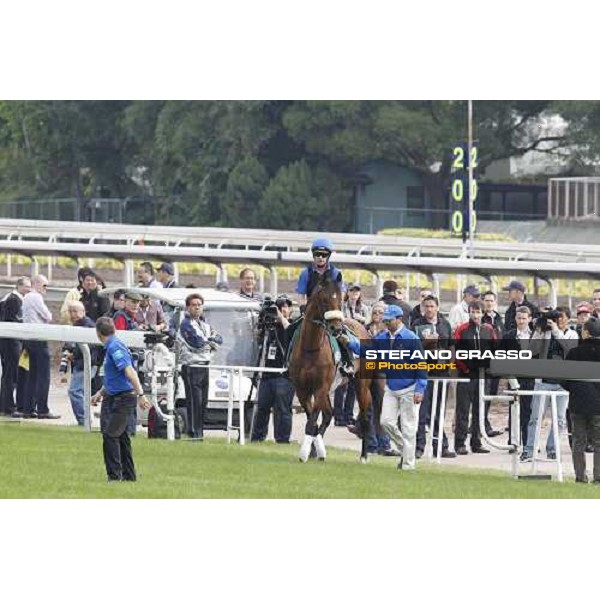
column 321, row 254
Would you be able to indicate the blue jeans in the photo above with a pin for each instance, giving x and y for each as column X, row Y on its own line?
column 343, row 403
column 561, row 407
column 76, row 394
column 377, row 439
column 275, row 393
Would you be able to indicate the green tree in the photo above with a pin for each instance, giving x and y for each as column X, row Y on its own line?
column 305, row 198
column 245, row 186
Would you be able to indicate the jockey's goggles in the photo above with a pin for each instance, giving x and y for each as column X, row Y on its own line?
column 320, row 254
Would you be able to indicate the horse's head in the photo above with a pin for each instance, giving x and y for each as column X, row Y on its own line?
column 326, row 303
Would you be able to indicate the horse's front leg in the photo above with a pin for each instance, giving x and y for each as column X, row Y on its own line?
column 310, row 431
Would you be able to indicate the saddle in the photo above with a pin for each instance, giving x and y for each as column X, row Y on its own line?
column 336, row 350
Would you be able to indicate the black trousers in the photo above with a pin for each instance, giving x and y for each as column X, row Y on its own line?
column 195, row 380
column 276, row 394
column 38, row 382
column 586, row 429
column 467, row 400
column 116, row 446
column 9, row 351
column 22, row 384
column 425, row 418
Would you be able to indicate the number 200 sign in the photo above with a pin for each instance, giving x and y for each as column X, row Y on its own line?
column 459, row 183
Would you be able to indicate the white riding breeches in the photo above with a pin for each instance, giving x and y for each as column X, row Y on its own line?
column 401, row 403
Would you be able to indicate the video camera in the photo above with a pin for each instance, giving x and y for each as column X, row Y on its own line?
column 152, row 338
column 267, row 317
column 548, row 313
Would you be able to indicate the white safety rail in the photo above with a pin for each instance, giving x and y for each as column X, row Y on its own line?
column 264, row 239
column 82, row 336
column 512, row 398
column 235, row 374
column 375, row 264
column 440, row 432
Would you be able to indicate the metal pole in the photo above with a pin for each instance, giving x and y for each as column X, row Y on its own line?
column 429, row 449
column 241, row 408
column 230, row 406
column 559, row 470
column 273, row 281
column 470, row 171
column 87, row 386
column 441, row 421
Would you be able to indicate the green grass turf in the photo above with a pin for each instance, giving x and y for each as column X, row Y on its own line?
column 39, row 461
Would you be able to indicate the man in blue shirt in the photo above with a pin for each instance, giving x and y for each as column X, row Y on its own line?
column 120, row 393
column 321, row 250
column 404, row 389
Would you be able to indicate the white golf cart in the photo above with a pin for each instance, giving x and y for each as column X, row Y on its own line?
column 234, row 318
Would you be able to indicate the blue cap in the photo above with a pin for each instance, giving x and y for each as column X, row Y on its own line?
column 392, row 312
column 322, row 244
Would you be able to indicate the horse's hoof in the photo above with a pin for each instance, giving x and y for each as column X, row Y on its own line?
column 320, row 447
column 364, row 460
column 321, row 458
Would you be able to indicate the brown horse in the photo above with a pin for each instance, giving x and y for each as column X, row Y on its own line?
column 313, row 370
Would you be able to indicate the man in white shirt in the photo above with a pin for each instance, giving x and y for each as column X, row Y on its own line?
column 459, row 313
column 38, row 382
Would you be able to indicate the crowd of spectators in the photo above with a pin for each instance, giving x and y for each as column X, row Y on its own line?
column 26, row 364
column 472, row 322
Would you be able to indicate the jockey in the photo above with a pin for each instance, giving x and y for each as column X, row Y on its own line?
column 321, row 249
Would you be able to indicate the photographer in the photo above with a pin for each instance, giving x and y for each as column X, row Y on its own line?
column 552, row 339
column 196, row 341
column 72, row 356
column 275, row 390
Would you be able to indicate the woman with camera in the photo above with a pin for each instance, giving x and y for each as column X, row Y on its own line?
column 552, row 339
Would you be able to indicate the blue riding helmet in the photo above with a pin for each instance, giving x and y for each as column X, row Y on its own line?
column 322, row 244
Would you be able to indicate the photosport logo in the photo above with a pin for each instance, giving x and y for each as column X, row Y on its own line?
column 417, row 361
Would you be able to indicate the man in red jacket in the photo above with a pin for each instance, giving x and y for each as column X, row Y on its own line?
column 472, row 335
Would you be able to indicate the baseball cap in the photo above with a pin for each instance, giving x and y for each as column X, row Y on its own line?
column 167, row 268
column 584, row 307
column 354, row 286
column 515, row 284
column 133, row 296
column 392, row 312
column 473, row 290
